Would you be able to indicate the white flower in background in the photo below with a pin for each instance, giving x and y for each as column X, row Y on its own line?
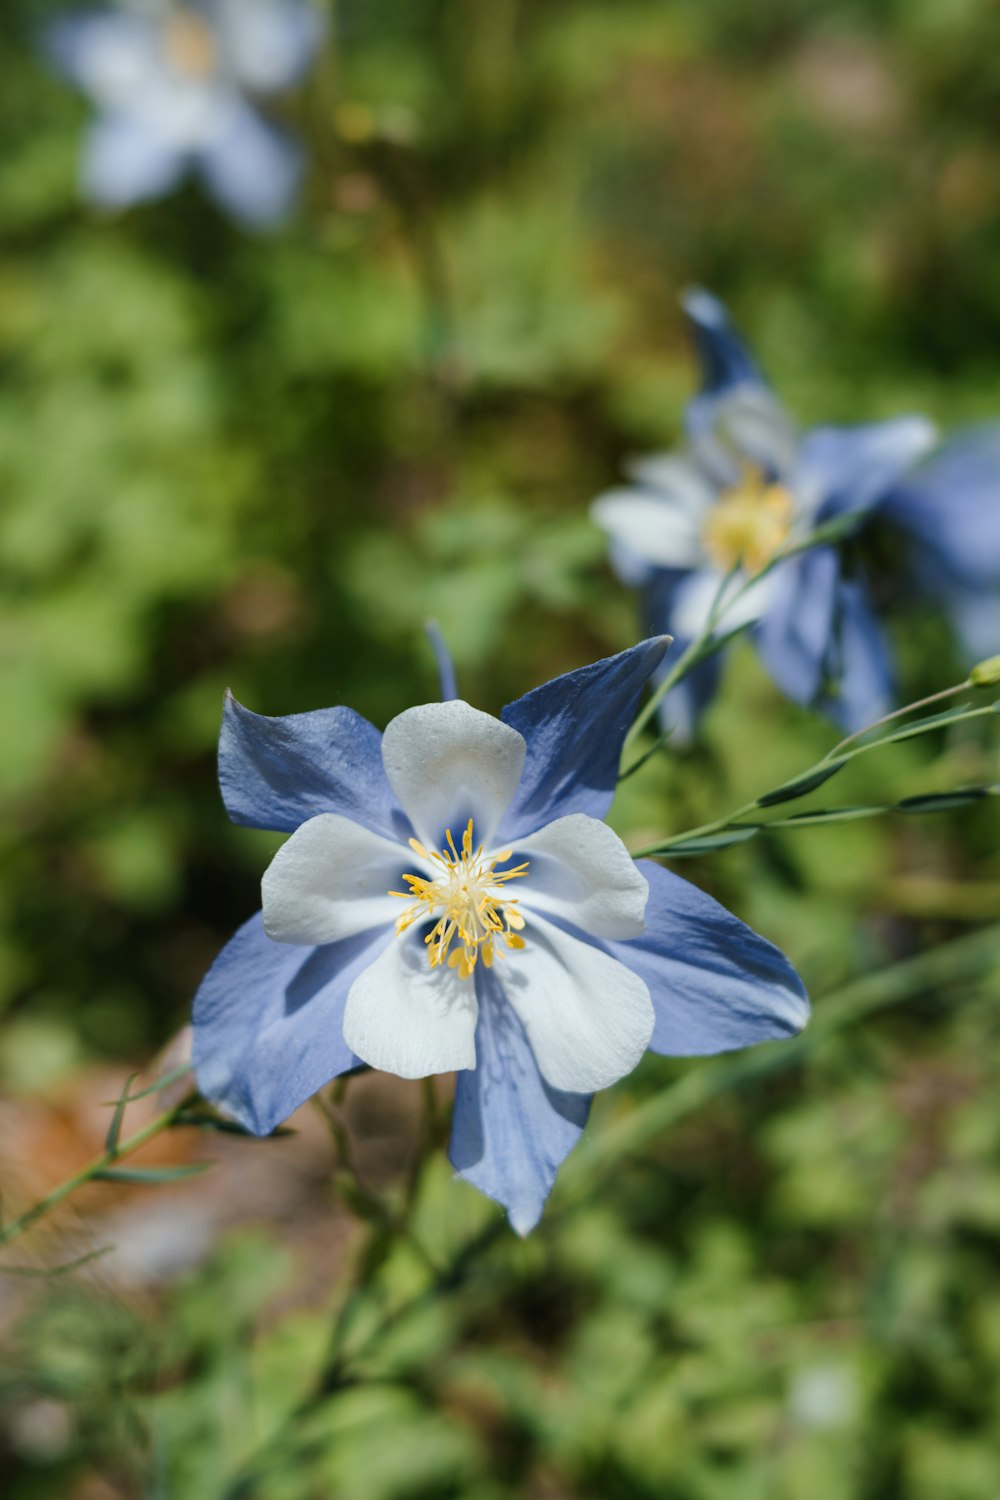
column 173, row 86
column 709, row 524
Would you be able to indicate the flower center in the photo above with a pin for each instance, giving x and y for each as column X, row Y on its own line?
column 189, row 44
column 748, row 523
column 468, row 899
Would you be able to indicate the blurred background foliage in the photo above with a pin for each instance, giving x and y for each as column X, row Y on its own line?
column 262, row 462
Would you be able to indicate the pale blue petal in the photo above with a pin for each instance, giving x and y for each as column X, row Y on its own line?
column 859, row 669
column 276, row 773
column 735, row 419
column 270, row 43
column 445, row 665
column 98, row 50
column 124, row 162
column 975, row 614
column 268, row 1022
column 683, row 706
column 715, row 984
column 510, row 1131
column 821, row 643
column 796, row 635
column 574, row 727
column 252, row 168
column 951, row 508
column 847, row 470
column 725, row 359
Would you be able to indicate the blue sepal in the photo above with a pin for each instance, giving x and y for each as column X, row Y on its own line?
column 510, row 1131
column 715, row 984
column 276, row 773
column 268, row 1022
column 574, row 727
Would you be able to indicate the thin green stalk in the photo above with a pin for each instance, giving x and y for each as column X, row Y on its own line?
column 719, row 825
column 682, row 666
column 898, row 713
column 962, row 959
column 830, row 763
column 108, row 1158
column 385, row 1215
column 707, row 643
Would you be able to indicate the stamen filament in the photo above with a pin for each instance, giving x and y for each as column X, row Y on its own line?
column 468, row 899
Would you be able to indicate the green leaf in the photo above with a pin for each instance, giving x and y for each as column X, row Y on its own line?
column 709, row 843
column 151, row 1176
column 928, row 802
column 115, row 1128
column 804, row 784
column 933, row 721
column 159, row 1084
column 831, row 815
column 932, row 802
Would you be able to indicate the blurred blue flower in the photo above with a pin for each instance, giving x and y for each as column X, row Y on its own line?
column 745, row 486
column 950, row 508
column 451, row 900
column 172, row 84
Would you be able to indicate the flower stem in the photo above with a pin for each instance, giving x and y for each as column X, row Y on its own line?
column 108, row 1158
column 812, row 778
column 596, row 1157
column 898, row 713
column 719, row 825
column 702, row 645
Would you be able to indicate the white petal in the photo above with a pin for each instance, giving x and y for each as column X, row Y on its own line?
column 695, row 596
column 581, row 872
column 404, row 1017
column 747, row 425
column 448, row 763
column 588, row 1018
column 269, row 43
column 678, row 478
column 757, row 424
column 330, row 880
column 651, row 526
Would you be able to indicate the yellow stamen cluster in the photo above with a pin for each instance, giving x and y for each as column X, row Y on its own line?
column 748, row 523
column 467, row 898
column 189, row 44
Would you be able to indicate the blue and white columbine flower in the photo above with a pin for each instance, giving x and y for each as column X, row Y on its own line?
column 746, row 486
column 173, row 82
column 950, row 508
column 451, row 900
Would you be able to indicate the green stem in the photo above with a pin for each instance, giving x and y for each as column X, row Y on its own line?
column 707, row 643
column 17, row 1227
column 964, row 958
column 719, row 825
column 702, row 645
column 759, row 804
column 899, row 713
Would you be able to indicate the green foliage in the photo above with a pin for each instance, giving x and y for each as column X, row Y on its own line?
column 263, row 462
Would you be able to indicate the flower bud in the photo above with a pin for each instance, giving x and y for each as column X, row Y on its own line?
column 986, row 673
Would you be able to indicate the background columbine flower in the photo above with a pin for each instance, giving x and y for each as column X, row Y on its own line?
column 171, row 83
column 745, row 486
column 950, row 509
column 451, row 900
